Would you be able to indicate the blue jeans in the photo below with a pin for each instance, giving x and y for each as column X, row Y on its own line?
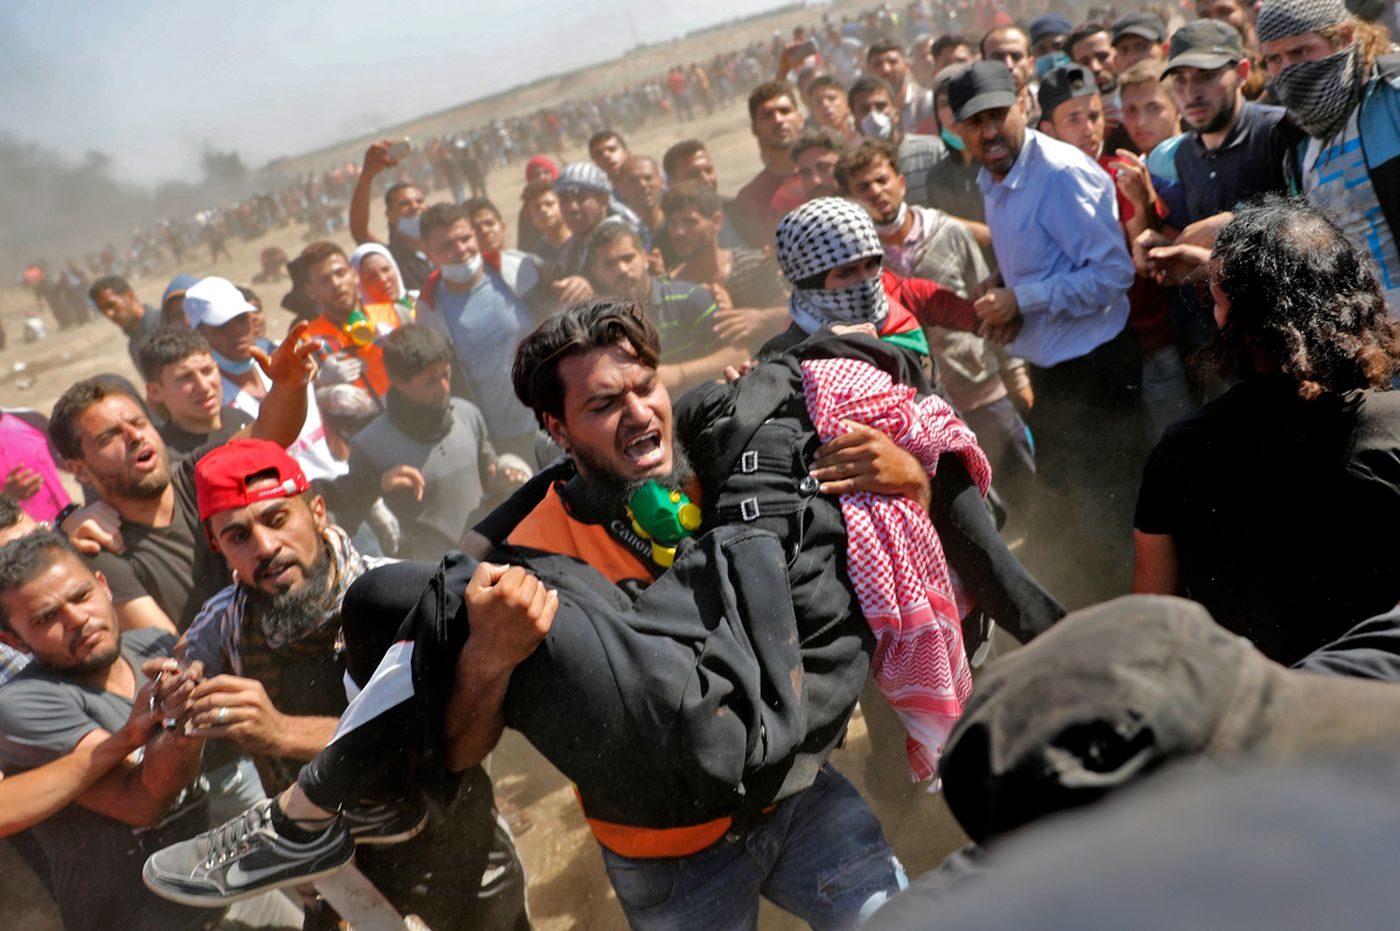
column 821, row 856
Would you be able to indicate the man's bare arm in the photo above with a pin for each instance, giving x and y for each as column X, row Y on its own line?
column 30, row 797
column 292, row 366
column 510, row 613
column 678, row 376
column 376, row 160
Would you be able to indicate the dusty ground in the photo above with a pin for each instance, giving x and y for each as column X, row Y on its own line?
column 568, row 888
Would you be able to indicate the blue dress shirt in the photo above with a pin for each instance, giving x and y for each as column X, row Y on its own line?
column 1054, row 222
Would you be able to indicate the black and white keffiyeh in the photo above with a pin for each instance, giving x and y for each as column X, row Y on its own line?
column 1321, row 94
column 1279, row 19
column 820, row 235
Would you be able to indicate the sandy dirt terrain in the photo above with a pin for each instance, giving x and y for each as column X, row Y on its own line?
column 568, row 888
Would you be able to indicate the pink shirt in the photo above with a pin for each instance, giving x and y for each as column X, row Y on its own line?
column 23, row 444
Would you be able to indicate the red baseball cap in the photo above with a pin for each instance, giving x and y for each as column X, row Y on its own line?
column 221, row 477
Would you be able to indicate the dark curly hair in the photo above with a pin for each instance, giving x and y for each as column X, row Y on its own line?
column 586, row 326
column 1304, row 299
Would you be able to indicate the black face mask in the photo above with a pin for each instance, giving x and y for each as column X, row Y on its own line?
column 426, row 423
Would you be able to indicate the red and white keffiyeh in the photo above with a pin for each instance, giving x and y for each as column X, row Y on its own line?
column 894, row 556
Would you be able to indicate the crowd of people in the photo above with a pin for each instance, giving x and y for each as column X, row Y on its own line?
column 1047, row 318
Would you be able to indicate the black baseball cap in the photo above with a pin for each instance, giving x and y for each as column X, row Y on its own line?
column 1064, row 83
column 1206, row 44
column 985, row 85
column 1146, row 25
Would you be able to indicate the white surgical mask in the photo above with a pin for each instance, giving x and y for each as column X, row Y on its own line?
column 462, row 272
column 408, row 226
column 877, row 125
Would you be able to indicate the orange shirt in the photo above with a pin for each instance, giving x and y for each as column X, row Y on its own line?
column 550, row 527
column 385, row 320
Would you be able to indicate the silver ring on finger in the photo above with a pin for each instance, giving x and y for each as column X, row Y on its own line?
column 223, row 715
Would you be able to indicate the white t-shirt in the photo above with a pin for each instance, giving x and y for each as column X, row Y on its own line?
column 310, row 450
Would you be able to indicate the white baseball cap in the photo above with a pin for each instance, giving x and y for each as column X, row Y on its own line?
column 214, row 301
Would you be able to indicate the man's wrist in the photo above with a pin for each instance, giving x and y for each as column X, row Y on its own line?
column 484, row 664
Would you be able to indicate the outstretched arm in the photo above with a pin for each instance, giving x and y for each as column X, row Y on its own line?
column 292, row 366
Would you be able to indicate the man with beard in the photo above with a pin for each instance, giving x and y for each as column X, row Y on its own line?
column 682, row 311
column 146, row 516
column 745, row 283
column 428, row 454
column 776, row 122
column 1339, row 79
column 270, row 681
column 404, row 203
column 1229, row 156
column 813, row 847
column 1066, row 273
column 84, row 681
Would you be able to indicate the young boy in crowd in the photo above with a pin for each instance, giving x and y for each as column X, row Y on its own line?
column 428, row 454
column 183, row 382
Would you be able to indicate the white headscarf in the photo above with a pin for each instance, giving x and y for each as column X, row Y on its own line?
column 375, row 248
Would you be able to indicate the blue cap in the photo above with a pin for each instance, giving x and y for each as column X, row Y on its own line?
column 178, row 284
column 1050, row 24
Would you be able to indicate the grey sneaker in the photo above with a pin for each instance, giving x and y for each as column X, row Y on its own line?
column 390, row 823
column 242, row 858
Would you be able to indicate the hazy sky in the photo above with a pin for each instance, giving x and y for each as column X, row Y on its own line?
column 151, row 82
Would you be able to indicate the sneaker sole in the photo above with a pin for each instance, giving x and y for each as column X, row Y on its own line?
column 211, row 901
column 384, row 840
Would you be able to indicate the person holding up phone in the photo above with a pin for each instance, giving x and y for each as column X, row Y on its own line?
column 404, row 203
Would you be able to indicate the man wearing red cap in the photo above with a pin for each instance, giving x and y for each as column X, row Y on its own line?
column 265, row 653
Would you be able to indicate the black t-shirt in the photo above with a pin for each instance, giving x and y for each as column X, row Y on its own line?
column 1283, row 511
column 179, row 442
column 121, row 578
column 96, row 861
column 414, row 266
column 174, row 564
